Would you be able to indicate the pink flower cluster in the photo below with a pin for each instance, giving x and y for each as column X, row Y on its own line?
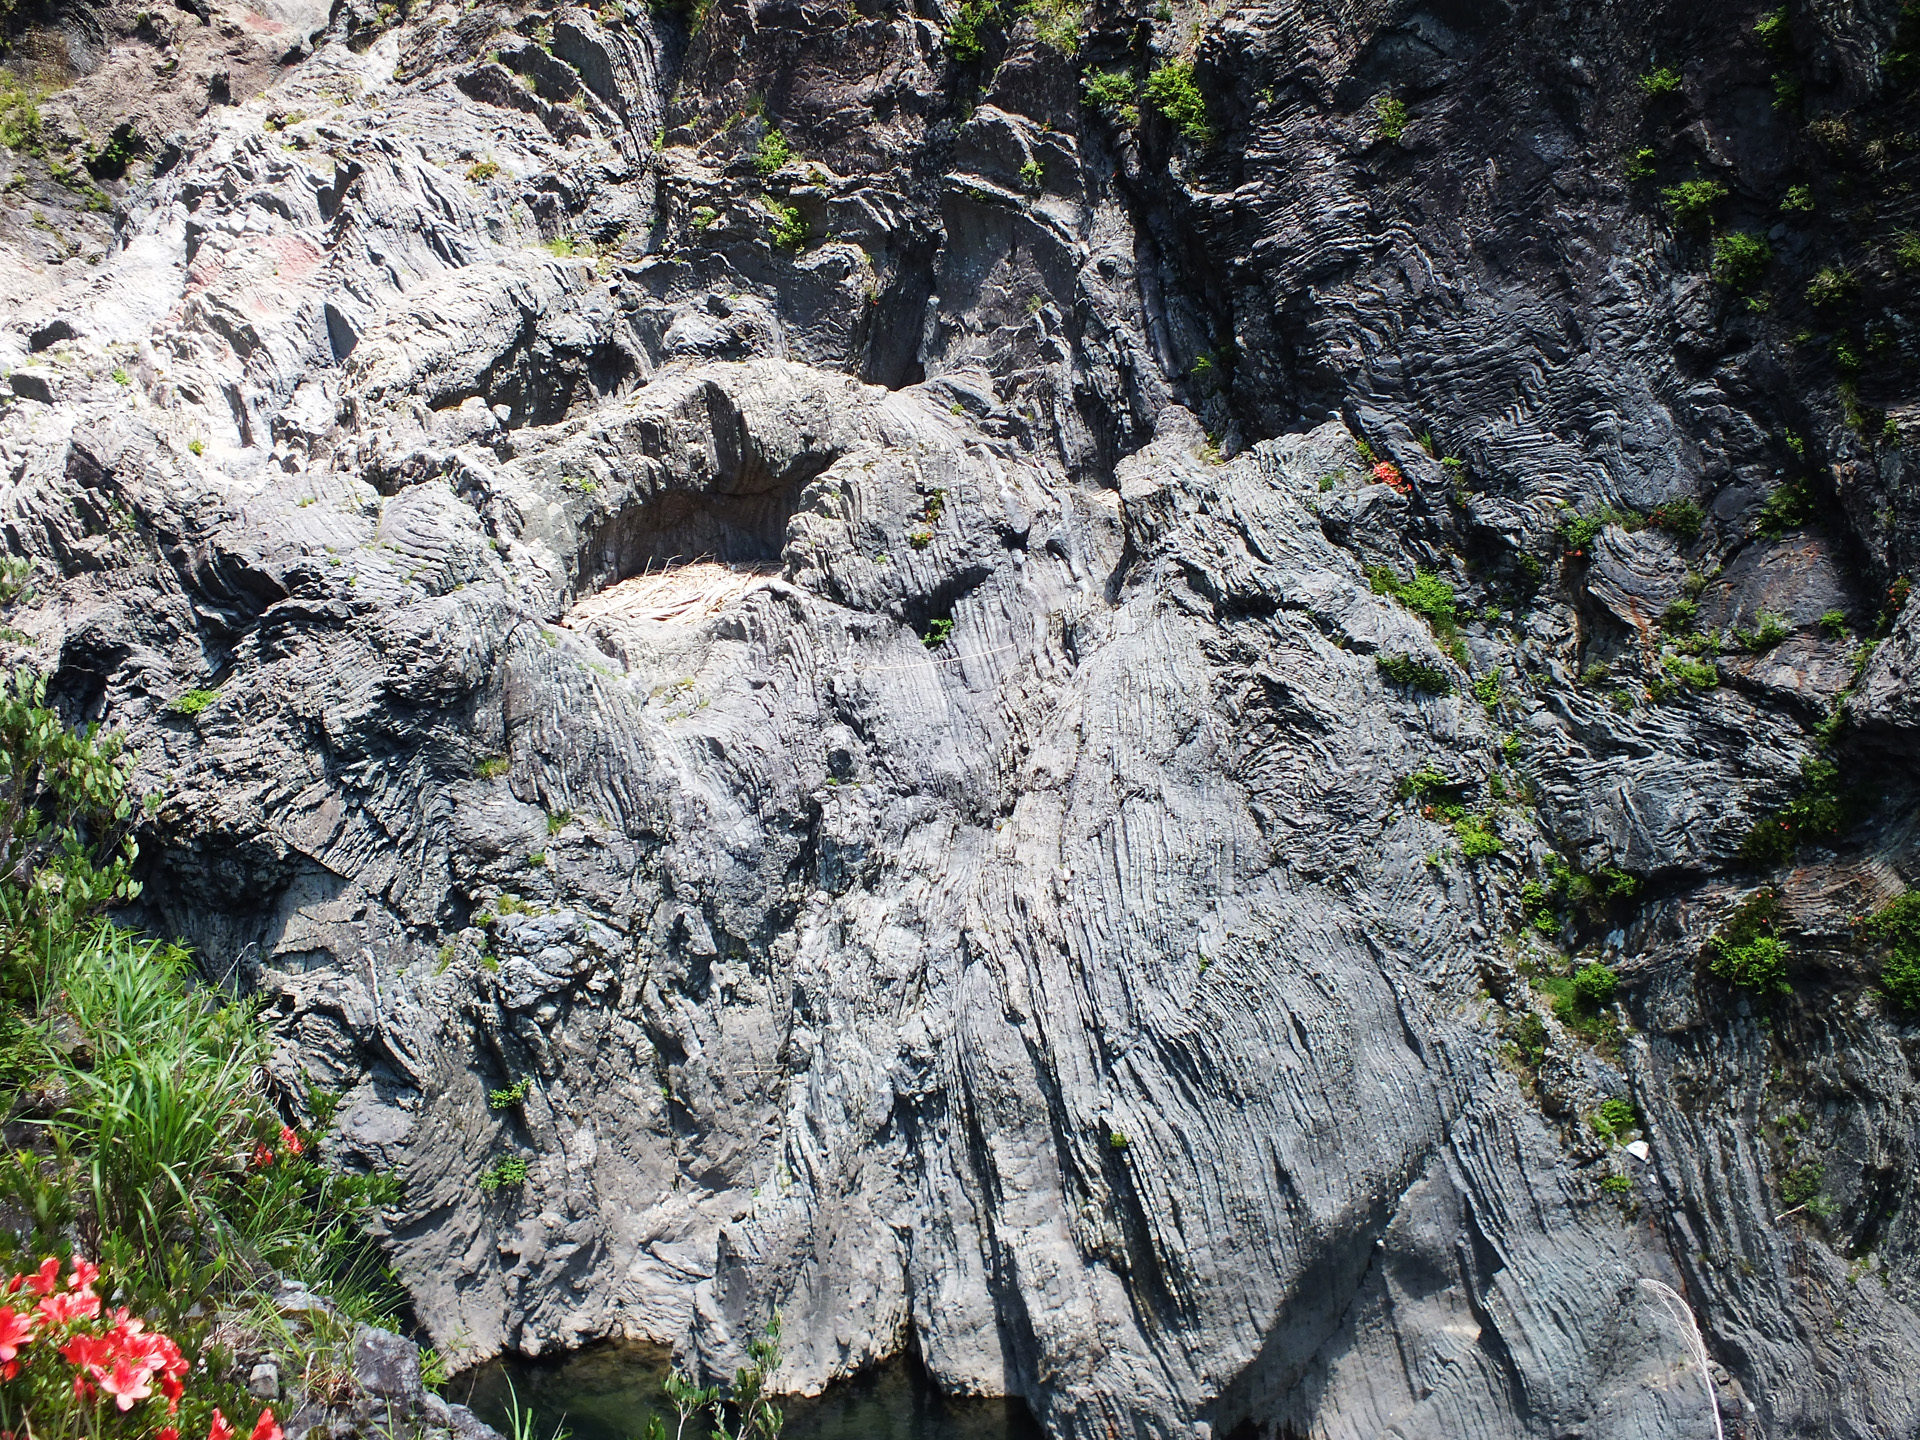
column 113, row 1356
column 1388, row 474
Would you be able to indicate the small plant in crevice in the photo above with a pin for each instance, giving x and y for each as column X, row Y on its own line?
column 773, row 152
column 507, row 1173
column 1114, row 94
column 1171, row 90
column 1390, row 118
column 1032, row 174
column 1414, row 674
column 938, row 633
column 1057, row 24
column 492, row 768
column 789, row 229
column 1615, row 1118
column 1662, row 81
column 966, row 37
column 513, row 1095
column 1693, row 202
column 1746, row 953
column 1821, row 811
column 192, row 702
column 1740, row 259
column 1896, row 928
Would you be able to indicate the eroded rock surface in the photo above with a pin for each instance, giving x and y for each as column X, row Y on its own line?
column 857, row 711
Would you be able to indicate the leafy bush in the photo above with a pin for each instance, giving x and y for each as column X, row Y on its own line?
column 1171, row 90
column 192, row 702
column 1405, row 670
column 964, row 38
column 1821, row 811
column 1032, row 173
column 1113, row 93
column 1906, row 249
column 1390, row 117
column 1692, row 202
column 509, row 1172
column 1797, row 201
column 789, row 230
column 1683, row 518
column 1787, row 507
column 1830, row 286
column 514, row 1094
column 1897, row 926
column 1696, row 673
column 1660, row 82
column 482, row 171
column 1740, row 259
column 19, row 115
column 1801, row 1186
column 1615, row 1117
column 938, row 633
column 493, row 767
column 774, row 152
column 1056, row 23
column 1746, row 952
column 1478, row 836
column 1595, row 985
column 1617, row 1184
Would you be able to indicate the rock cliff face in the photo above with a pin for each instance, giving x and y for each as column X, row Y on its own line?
column 998, row 725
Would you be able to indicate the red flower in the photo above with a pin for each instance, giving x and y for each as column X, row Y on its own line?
column 91, row 1353
column 16, row 1330
column 219, row 1429
column 83, row 1274
column 47, row 1278
column 291, row 1142
column 9, row 1369
column 72, row 1306
column 264, row 1428
column 13, row 1286
column 166, row 1432
column 127, row 1383
column 262, row 1157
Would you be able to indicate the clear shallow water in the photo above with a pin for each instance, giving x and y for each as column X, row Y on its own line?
column 607, row 1392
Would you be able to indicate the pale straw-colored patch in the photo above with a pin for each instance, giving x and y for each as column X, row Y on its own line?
column 679, row 595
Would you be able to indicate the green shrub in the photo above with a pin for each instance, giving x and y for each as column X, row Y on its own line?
column 19, row 114
column 1615, row 1117
column 1595, row 985
column 1797, row 201
column 1691, row 672
column 1906, row 249
column 1692, row 202
column 1787, row 507
column 1683, row 518
column 1032, row 173
column 1897, row 926
column 1578, row 532
column 1056, row 23
column 482, row 171
column 1617, row 1184
column 789, row 230
column 493, row 767
column 1171, row 90
column 938, row 633
column 774, row 152
column 1834, row 623
column 514, row 1094
column 1390, row 118
column 1830, row 285
column 1427, row 594
column 965, row 40
column 1801, row 1186
column 1821, row 811
column 1740, row 259
column 1414, row 674
column 507, row 1173
column 1660, row 82
column 1113, row 93
column 192, row 702
column 1771, row 30
column 1478, row 836
column 1640, row 164
column 1746, row 952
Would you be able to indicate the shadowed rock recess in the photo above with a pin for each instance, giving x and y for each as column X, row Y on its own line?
column 1017, row 713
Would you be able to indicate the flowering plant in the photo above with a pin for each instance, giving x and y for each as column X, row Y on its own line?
column 70, row 1367
column 1388, row 474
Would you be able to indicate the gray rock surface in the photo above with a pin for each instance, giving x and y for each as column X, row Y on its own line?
column 859, row 779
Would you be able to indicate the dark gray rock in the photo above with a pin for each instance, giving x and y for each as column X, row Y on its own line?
column 876, row 751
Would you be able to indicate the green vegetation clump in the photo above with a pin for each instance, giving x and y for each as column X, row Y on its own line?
column 1478, row 836
column 1614, row 1118
column 1660, row 82
column 192, row 702
column 19, row 114
column 1390, row 118
column 1699, row 674
column 1032, row 173
column 514, row 1094
column 1595, row 985
column 1745, row 951
column 1821, row 811
column 1906, row 250
column 774, row 152
column 1056, row 23
column 1683, row 518
column 1692, row 202
column 1414, row 674
column 493, row 767
column 1114, row 94
column 1617, row 1184
column 938, row 633
column 1787, row 507
column 1171, row 90
column 1830, row 285
column 965, row 38
column 1897, row 927
column 1797, row 201
column 1740, row 259
column 789, row 230
column 482, row 171
column 507, row 1173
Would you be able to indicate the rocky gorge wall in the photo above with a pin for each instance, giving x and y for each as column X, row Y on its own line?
column 1000, row 726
